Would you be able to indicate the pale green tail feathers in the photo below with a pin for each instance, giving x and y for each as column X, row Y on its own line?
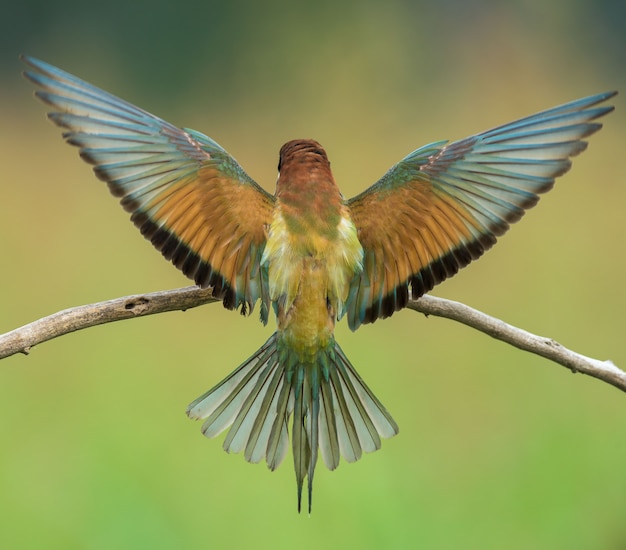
column 333, row 410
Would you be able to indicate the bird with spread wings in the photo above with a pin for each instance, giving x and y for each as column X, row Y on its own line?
column 307, row 253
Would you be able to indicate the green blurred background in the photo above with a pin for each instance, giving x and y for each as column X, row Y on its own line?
column 497, row 449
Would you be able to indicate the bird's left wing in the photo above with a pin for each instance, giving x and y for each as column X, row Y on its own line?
column 184, row 192
column 444, row 204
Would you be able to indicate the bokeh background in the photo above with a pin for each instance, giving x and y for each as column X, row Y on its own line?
column 497, row 449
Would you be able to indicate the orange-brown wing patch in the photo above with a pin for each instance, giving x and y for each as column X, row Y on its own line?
column 412, row 240
column 213, row 231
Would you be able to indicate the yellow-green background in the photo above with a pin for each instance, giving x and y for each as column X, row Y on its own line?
column 497, row 448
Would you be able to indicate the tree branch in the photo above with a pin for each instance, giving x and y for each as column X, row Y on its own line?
column 524, row 340
column 22, row 339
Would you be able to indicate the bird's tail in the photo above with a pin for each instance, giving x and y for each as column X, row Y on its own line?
column 333, row 410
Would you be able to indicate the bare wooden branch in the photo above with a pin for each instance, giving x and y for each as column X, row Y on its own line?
column 522, row 339
column 22, row 339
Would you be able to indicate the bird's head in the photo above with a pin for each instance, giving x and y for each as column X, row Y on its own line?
column 298, row 152
column 304, row 176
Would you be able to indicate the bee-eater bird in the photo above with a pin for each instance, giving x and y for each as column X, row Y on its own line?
column 311, row 255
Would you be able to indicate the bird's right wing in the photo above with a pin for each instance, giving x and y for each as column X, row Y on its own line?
column 444, row 204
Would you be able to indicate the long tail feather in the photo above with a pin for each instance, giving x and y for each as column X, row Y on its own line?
column 333, row 410
column 300, row 440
